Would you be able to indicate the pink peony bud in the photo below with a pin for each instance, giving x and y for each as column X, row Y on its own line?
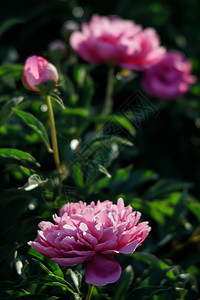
column 116, row 40
column 169, row 78
column 39, row 75
column 92, row 233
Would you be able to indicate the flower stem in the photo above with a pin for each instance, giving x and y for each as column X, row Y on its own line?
column 89, row 295
column 54, row 143
column 109, row 92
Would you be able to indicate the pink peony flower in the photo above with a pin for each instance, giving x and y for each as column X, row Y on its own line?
column 116, row 40
column 92, row 233
column 142, row 52
column 39, row 75
column 169, row 78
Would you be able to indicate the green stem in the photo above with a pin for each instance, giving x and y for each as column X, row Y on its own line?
column 89, row 295
column 54, row 143
column 109, row 92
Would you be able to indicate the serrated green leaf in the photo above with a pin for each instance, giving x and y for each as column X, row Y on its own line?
column 7, row 110
column 36, row 125
column 17, row 154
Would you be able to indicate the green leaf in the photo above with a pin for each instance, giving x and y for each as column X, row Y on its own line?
column 50, row 265
column 103, row 170
column 194, row 207
column 76, row 278
column 34, row 181
column 79, row 112
column 88, row 91
column 17, row 154
column 80, row 74
column 35, row 253
column 109, row 140
column 124, row 123
column 151, row 260
column 123, row 284
column 78, row 175
column 36, row 125
column 119, row 177
column 7, row 110
column 12, row 70
column 58, row 100
column 49, row 279
column 164, row 187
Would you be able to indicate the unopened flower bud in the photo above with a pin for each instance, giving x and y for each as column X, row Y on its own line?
column 39, row 75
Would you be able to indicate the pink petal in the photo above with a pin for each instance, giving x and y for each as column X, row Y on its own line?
column 72, row 261
column 103, row 269
column 46, row 251
column 107, row 245
column 130, row 248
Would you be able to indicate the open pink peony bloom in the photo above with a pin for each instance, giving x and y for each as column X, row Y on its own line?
column 92, row 233
column 39, row 75
column 169, row 78
column 121, row 41
column 143, row 51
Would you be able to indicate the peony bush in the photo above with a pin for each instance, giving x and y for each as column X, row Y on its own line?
column 82, row 118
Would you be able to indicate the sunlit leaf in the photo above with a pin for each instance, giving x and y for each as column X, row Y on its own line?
column 17, row 154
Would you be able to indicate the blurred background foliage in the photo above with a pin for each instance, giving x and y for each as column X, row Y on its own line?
column 158, row 176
